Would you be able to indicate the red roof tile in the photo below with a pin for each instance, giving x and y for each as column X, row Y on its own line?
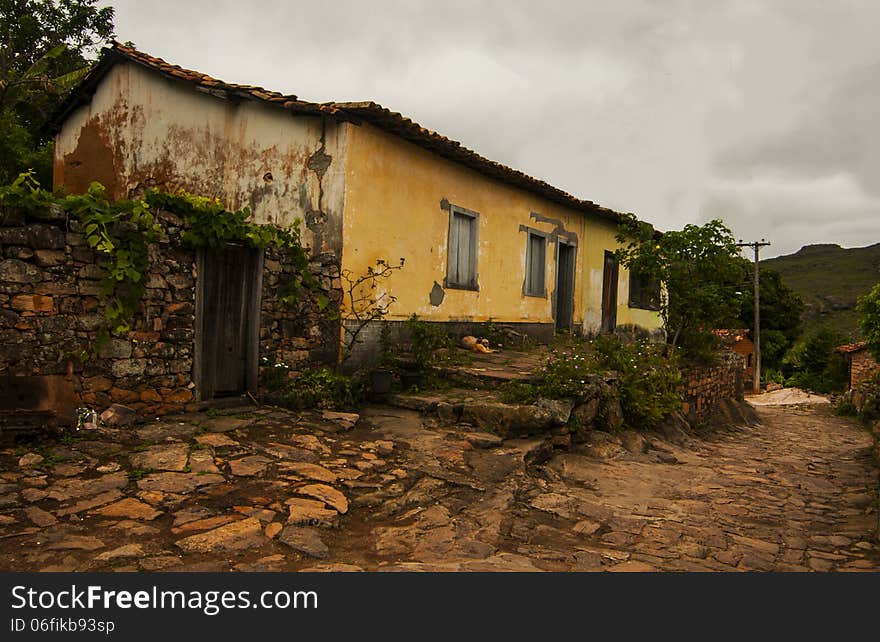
column 851, row 347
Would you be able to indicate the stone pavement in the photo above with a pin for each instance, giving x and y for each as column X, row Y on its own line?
column 269, row 489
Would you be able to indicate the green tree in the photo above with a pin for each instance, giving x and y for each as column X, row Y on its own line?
column 701, row 270
column 815, row 365
column 45, row 48
column 781, row 309
column 868, row 307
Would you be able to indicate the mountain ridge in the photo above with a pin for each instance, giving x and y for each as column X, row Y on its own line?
column 829, row 279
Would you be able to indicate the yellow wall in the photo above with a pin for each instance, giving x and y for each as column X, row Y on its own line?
column 393, row 194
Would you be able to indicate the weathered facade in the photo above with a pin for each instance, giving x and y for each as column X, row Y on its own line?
column 480, row 240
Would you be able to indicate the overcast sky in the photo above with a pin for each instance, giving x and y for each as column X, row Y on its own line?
column 763, row 113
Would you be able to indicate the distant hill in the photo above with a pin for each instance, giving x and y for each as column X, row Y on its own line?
column 829, row 279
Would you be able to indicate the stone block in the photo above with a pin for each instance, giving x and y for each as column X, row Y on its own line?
column 33, row 303
column 46, row 237
column 16, row 271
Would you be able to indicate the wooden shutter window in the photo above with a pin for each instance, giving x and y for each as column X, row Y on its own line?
column 462, row 269
column 536, row 262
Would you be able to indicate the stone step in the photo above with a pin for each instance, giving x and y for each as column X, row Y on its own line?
column 489, row 414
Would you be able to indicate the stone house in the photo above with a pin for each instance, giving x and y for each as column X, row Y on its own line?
column 481, row 240
column 862, row 365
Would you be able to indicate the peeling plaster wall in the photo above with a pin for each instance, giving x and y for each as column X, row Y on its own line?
column 142, row 130
column 394, row 207
column 601, row 237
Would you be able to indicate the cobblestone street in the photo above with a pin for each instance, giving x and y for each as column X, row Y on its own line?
column 267, row 489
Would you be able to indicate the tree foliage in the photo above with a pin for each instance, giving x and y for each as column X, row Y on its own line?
column 814, row 364
column 781, row 309
column 868, row 307
column 701, row 271
column 45, row 48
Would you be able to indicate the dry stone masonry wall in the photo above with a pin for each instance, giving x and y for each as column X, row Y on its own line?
column 705, row 387
column 51, row 312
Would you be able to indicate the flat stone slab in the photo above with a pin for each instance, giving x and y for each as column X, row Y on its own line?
column 39, row 516
column 216, row 440
column 240, row 535
column 202, row 461
column 291, row 453
column 171, row 457
column 123, row 552
column 226, row 424
column 76, row 542
column 309, row 471
column 178, row 482
column 345, row 420
column 309, row 511
column 326, row 494
column 66, row 489
column 305, row 540
column 87, row 504
column 205, row 524
column 249, row 466
column 483, row 439
column 129, row 508
column 161, row 432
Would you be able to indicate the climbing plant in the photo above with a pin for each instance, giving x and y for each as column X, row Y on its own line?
column 121, row 231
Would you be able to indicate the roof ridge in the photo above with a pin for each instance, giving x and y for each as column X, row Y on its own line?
column 376, row 114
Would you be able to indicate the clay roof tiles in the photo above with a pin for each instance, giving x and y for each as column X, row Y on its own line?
column 356, row 112
column 851, row 347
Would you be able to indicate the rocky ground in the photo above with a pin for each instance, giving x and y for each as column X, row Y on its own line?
column 267, row 489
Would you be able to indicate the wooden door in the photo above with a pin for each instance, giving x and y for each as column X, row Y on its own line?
column 609, row 293
column 566, row 260
column 229, row 321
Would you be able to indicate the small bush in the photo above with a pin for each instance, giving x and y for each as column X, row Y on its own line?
column 516, row 392
column 427, row 338
column 490, row 330
column 649, row 382
column 323, row 388
column 567, row 372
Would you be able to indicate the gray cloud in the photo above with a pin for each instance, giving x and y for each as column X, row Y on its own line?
column 759, row 111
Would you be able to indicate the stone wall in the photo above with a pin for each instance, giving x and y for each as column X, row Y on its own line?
column 301, row 334
column 705, row 387
column 862, row 367
column 51, row 312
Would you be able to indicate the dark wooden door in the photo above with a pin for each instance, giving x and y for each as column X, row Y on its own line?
column 229, row 323
column 609, row 293
column 566, row 260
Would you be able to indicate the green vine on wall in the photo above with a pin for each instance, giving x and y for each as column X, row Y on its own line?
column 121, row 231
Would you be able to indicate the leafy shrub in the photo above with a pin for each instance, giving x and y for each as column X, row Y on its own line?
column 427, row 338
column 491, row 331
column 567, row 372
column 814, row 365
column 323, row 388
column 516, row 392
column 649, row 382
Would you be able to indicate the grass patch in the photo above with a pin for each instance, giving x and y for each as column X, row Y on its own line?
column 136, row 474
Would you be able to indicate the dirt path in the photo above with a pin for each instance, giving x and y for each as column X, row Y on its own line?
column 278, row 491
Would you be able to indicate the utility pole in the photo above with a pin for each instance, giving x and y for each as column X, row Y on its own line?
column 756, row 376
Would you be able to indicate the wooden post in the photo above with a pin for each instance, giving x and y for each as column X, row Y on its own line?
column 756, row 376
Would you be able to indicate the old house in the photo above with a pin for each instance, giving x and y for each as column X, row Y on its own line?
column 739, row 341
column 481, row 240
column 862, row 365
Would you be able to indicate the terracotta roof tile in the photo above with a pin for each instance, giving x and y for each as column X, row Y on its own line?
column 852, row 347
